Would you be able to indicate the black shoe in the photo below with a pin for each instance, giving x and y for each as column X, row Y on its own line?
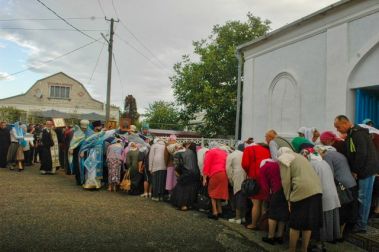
column 357, row 230
column 279, row 240
column 268, row 240
column 340, row 240
column 212, row 216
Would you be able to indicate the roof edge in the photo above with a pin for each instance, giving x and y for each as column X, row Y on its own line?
column 294, row 23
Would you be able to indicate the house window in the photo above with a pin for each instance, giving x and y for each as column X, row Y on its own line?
column 59, row 92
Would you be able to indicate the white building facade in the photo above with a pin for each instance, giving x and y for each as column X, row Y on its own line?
column 62, row 95
column 312, row 70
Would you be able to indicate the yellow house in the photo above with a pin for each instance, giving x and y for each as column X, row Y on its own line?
column 60, row 95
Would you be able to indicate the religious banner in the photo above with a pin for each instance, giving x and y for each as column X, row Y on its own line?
column 111, row 125
column 59, row 122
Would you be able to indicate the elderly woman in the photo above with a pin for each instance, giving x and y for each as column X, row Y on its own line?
column 132, row 158
column 251, row 161
column 158, row 158
column 236, row 175
column 278, row 211
column 171, row 177
column 302, row 189
column 312, row 134
column 300, row 143
column 114, row 163
column 342, row 174
column 185, row 161
column 330, row 231
column 214, row 174
column 328, row 138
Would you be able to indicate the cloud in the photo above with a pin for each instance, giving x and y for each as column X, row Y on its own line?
column 6, row 77
column 167, row 28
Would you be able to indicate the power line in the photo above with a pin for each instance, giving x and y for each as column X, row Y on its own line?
column 48, row 19
column 64, row 20
column 97, row 62
column 135, row 37
column 114, row 8
column 47, row 29
column 56, row 58
column 138, row 51
column 119, row 75
column 101, row 7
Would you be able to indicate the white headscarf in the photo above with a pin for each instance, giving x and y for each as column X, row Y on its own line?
column 307, row 132
column 371, row 130
column 286, row 156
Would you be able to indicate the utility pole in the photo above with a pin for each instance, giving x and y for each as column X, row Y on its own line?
column 110, row 55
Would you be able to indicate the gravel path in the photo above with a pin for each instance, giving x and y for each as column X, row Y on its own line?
column 51, row 213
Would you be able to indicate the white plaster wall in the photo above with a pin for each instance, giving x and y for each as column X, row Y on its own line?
column 305, row 61
column 326, row 63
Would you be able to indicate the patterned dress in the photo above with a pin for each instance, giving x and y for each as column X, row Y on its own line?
column 114, row 161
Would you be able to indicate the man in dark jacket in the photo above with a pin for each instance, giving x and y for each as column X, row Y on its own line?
column 364, row 164
column 5, row 141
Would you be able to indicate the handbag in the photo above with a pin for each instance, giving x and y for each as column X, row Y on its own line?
column 126, row 183
column 250, row 187
column 203, row 200
column 344, row 194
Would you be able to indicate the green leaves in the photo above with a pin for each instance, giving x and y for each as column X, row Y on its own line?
column 163, row 115
column 210, row 84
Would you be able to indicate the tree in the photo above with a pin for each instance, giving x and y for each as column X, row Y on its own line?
column 210, row 84
column 11, row 114
column 163, row 115
column 130, row 109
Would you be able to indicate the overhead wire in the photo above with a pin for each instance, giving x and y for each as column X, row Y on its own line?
column 55, row 58
column 48, row 19
column 48, row 29
column 119, row 75
column 64, row 20
column 101, row 8
column 97, row 62
column 139, row 52
column 135, row 37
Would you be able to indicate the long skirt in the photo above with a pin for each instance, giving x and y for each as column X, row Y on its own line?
column 114, row 170
column 278, row 209
column 171, row 178
column 159, row 183
column 12, row 153
column 306, row 214
column 185, row 192
column 218, row 186
column 330, row 230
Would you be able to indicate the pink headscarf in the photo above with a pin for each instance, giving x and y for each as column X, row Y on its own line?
column 328, row 135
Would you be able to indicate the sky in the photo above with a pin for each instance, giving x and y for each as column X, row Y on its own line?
column 150, row 38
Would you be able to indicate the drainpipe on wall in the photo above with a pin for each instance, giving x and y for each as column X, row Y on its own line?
column 239, row 96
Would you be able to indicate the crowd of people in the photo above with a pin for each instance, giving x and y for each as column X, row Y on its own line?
column 317, row 185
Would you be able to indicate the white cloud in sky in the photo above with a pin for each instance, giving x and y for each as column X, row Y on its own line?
column 166, row 27
column 6, row 77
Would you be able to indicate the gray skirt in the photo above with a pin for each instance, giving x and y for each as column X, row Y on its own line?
column 330, row 230
column 159, row 183
column 12, row 153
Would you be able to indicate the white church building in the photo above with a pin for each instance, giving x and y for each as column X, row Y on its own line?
column 311, row 70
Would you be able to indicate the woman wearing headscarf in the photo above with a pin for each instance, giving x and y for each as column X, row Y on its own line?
column 185, row 161
column 278, row 209
column 302, row 189
column 132, row 166
column 171, row 177
column 342, row 174
column 330, row 230
column 114, row 163
column 312, row 134
column 328, row 138
column 251, row 161
column 214, row 174
column 300, row 143
column 158, row 158
column 236, row 175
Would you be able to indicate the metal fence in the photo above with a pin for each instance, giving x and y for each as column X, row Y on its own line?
column 204, row 141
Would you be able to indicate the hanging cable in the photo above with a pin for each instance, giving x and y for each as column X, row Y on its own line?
column 101, row 8
column 48, row 29
column 48, row 19
column 54, row 59
column 97, row 62
column 64, row 20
